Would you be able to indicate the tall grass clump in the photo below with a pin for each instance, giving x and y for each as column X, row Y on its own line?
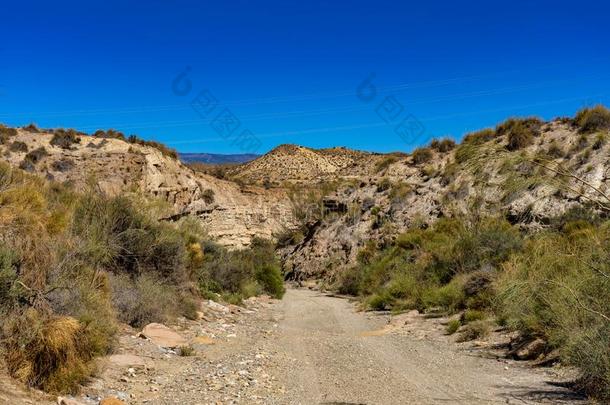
column 558, row 288
column 593, row 119
column 520, row 132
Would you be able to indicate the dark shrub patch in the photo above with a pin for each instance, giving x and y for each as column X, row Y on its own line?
column 64, row 139
column 18, row 146
column 63, row 165
column 31, row 128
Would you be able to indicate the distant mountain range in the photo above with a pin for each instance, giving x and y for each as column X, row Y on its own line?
column 217, row 158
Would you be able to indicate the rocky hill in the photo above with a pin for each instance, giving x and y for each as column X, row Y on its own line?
column 231, row 214
column 528, row 171
column 300, row 165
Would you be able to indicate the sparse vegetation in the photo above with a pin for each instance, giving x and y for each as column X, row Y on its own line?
column 165, row 150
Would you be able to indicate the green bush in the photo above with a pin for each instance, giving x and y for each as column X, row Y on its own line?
column 453, row 326
column 593, row 119
column 243, row 272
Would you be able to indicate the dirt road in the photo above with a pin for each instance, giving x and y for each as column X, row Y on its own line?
column 329, row 353
column 309, row 348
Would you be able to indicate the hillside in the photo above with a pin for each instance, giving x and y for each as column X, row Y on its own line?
column 300, row 165
column 231, row 215
column 558, row 169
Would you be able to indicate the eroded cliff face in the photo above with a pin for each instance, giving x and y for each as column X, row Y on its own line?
column 231, row 214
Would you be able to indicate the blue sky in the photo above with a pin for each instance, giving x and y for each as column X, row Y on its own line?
column 289, row 71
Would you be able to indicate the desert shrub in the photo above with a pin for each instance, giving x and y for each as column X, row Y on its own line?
column 600, row 141
column 348, row 281
column 63, row 165
column 558, row 289
column 473, row 315
column 384, row 184
column 479, row 137
column 36, row 155
column 443, row 146
column 555, row 151
column 122, row 238
column 186, row 351
column 242, row 272
column 449, row 297
column 208, row 196
column 474, row 330
column 453, row 326
column 143, row 300
column 8, row 276
column 33, row 128
column 379, row 301
column 289, row 237
column 46, row 351
column 385, row 163
column 422, row 155
column 18, row 146
column 165, row 150
column 65, row 138
column 520, row 132
column 593, row 119
column 6, row 133
column 435, row 268
column 109, row 134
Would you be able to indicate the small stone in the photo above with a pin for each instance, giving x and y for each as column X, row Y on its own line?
column 111, row 401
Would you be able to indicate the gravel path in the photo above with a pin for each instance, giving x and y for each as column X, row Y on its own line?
column 310, row 348
column 326, row 352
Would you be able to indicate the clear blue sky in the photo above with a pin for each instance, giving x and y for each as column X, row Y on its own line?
column 289, row 70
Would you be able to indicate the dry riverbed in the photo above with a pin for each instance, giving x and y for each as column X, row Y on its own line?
column 312, row 348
